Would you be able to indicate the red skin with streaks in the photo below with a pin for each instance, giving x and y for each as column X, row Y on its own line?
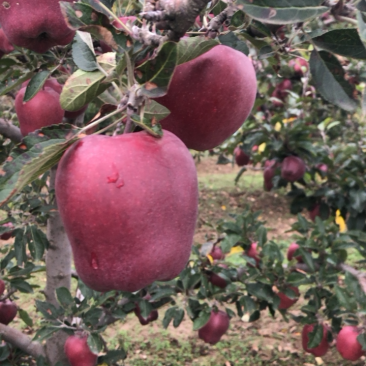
column 129, row 206
column 78, row 352
column 348, row 345
column 215, row 328
column 37, row 28
column 204, row 118
column 322, row 348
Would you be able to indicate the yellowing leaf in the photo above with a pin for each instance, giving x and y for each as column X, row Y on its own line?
column 288, row 120
column 261, row 147
column 223, row 208
column 340, row 222
column 278, row 126
column 210, row 258
column 235, row 250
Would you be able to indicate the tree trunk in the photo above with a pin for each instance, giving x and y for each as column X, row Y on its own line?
column 58, row 270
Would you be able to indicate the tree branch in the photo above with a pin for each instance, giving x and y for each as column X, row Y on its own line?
column 361, row 276
column 10, row 131
column 21, row 341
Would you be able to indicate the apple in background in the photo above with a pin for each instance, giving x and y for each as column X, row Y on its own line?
column 140, row 217
column 203, row 119
column 215, row 328
column 216, row 253
column 9, row 234
column 348, row 345
column 5, row 46
column 8, row 310
column 78, row 352
column 299, row 65
column 42, row 110
column 286, row 302
column 253, row 253
column 37, row 28
column 216, row 280
column 241, row 158
column 270, row 167
column 2, row 287
column 323, row 168
column 322, row 348
column 144, row 321
column 293, row 168
column 314, row 212
column 291, row 251
column 281, row 92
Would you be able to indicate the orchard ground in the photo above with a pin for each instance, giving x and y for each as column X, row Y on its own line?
column 267, row 341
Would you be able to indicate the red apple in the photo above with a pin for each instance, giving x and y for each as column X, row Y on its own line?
column 323, row 168
column 216, row 280
column 293, row 168
column 291, row 251
column 42, row 110
column 322, row 348
column 299, row 65
column 286, row 302
column 253, row 253
column 215, row 328
column 216, row 253
column 269, row 173
column 348, row 345
column 8, row 310
column 2, row 287
column 129, row 207
column 37, row 28
column 281, row 92
column 7, row 235
column 204, row 118
column 49, row 83
column 314, row 212
column 144, row 321
column 77, row 113
column 78, row 352
column 241, row 158
column 5, row 46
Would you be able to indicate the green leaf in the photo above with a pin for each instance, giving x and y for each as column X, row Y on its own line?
column 35, row 85
column 37, row 242
column 178, row 317
column 37, row 153
column 315, row 336
column 248, row 303
column 192, row 47
column 344, row 299
column 113, row 357
column 64, row 297
column 261, row 291
column 19, row 247
column 155, row 110
column 145, row 308
column 25, row 317
column 361, row 338
column 361, row 20
column 169, row 315
column 95, row 342
column 155, row 75
column 149, row 124
column 262, row 235
column 14, row 79
column 45, row 333
column 231, row 40
column 83, row 52
column 328, row 76
column 229, row 242
column 202, row 320
column 344, row 42
column 4, row 352
column 307, row 258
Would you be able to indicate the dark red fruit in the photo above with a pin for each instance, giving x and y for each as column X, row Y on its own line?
column 293, row 168
column 217, row 254
column 253, row 253
column 2, row 287
column 286, row 302
column 291, row 250
column 269, row 173
column 150, row 318
column 241, row 158
column 8, row 310
column 322, row 348
column 78, row 352
column 7, row 235
column 215, row 328
column 216, row 280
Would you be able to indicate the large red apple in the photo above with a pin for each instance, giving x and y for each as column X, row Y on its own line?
column 5, row 46
column 215, row 328
column 210, row 97
column 78, row 352
column 37, row 26
column 285, row 301
column 253, row 253
column 150, row 318
column 8, row 310
column 7, row 235
column 347, row 343
column 291, row 251
column 2, row 287
column 42, row 110
column 322, row 348
column 241, row 158
column 299, row 65
column 293, row 168
column 129, row 206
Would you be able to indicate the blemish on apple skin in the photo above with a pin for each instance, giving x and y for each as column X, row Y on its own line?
column 120, row 184
column 113, row 178
column 94, row 261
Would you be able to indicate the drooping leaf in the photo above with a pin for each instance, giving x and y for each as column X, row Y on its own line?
column 315, row 336
column 35, row 84
column 83, row 52
column 149, row 124
column 192, row 47
column 231, row 40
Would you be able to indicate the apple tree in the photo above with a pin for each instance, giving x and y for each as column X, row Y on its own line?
column 105, row 97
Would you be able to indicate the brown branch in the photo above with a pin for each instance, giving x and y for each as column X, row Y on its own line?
column 21, row 341
column 10, row 131
column 361, row 276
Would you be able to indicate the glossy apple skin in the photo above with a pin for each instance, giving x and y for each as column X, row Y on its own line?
column 286, row 302
column 9, row 234
column 204, row 118
column 323, row 347
column 144, row 321
column 42, row 110
column 253, row 253
column 215, row 328
column 78, row 352
column 37, row 28
column 348, row 345
column 299, row 65
column 293, row 168
column 5, row 46
column 241, row 158
column 129, row 206
column 8, row 310
column 2, row 287
column 217, row 254
column 291, row 250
